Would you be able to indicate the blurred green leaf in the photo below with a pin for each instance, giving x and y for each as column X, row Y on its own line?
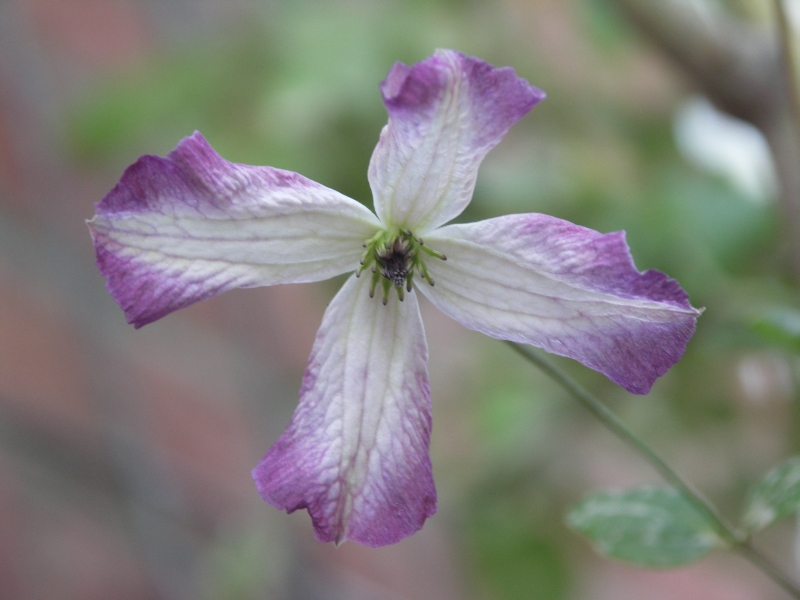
column 520, row 565
column 604, row 25
column 780, row 328
column 514, row 555
column 649, row 526
column 738, row 233
column 777, row 496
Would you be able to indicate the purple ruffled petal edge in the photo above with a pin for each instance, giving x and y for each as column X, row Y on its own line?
column 183, row 228
column 445, row 114
column 539, row 280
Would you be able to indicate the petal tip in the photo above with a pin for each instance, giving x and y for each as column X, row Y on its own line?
column 117, row 272
column 415, row 87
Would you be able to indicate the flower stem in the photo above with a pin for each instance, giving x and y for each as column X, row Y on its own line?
column 752, row 554
column 725, row 530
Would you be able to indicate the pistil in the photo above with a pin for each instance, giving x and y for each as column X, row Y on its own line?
column 396, row 258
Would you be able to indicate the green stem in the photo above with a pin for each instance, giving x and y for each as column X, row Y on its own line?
column 756, row 558
column 725, row 530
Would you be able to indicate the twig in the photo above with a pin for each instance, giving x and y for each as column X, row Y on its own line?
column 727, row 532
column 740, row 69
column 730, row 62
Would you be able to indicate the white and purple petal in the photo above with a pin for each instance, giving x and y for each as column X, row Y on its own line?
column 445, row 114
column 573, row 291
column 183, row 228
column 356, row 451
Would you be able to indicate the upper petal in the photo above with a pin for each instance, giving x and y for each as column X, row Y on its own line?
column 445, row 114
column 570, row 290
column 183, row 228
column 356, row 452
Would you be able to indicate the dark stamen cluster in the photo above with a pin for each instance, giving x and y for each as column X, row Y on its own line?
column 396, row 260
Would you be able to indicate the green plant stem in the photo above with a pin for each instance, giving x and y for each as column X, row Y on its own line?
column 725, row 530
column 746, row 550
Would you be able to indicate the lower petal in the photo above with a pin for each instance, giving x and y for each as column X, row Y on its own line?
column 573, row 291
column 355, row 454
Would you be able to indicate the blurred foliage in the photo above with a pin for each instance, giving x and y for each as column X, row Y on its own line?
column 649, row 526
column 297, row 88
column 775, row 497
column 780, row 327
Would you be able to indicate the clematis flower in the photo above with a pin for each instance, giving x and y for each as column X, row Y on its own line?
column 179, row 229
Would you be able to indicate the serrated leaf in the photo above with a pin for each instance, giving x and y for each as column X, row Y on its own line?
column 649, row 526
column 775, row 497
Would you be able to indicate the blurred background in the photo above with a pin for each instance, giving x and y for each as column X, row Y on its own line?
column 125, row 455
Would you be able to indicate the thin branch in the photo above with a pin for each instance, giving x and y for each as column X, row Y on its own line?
column 747, row 551
column 736, row 540
column 732, row 63
column 610, row 420
column 740, row 69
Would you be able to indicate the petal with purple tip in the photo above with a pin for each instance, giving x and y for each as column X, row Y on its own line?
column 573, row 291
column 445, row 114
column 183, row 228
column 356, row 452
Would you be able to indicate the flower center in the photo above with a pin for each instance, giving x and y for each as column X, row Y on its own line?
column 396, row 258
